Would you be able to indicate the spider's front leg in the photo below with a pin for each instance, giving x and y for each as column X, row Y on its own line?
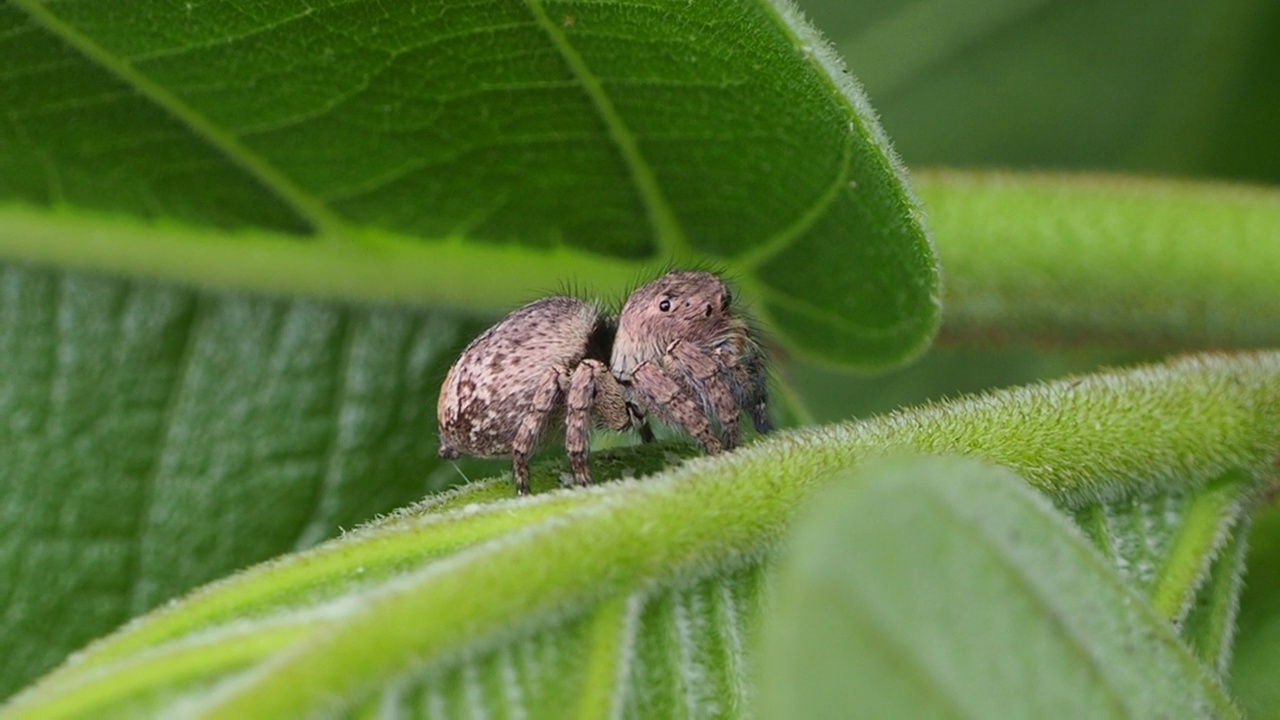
column 670, row 401
column 706, row 374
column 756, row 392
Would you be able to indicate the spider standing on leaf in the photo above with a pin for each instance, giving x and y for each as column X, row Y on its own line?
column 677, row 351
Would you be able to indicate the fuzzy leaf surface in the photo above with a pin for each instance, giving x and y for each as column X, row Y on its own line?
column 640, row 597
column 1091, row 258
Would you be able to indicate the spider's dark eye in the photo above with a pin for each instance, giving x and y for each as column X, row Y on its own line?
column 725, row 301
column 665, row 305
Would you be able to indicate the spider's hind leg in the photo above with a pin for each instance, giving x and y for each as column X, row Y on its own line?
column 545, row 398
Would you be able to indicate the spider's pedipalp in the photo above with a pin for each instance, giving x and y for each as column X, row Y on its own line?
column 666, row 398
column 682, row 327
column 710, row 384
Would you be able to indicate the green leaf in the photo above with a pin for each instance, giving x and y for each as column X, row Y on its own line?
column 158, row 159
column 1165, row 545
column 637, row 596
column 602, row 133
column 1178, row 88
column 157, row 437
column 1210, row 624
column 947, row 588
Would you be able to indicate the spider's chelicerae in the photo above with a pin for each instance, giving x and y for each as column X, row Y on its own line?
column 678, row 351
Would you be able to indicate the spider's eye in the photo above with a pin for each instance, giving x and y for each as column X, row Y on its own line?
column 665, row 305
column 725, row 301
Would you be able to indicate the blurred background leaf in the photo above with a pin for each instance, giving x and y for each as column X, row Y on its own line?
column 1179, row 88
column 1008, row 580
column 1252, row 678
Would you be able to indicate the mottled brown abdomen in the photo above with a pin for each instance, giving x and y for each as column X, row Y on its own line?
column 494, row 383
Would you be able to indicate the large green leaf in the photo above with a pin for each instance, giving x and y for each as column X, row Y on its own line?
column 945, row 587
column 590, row 130
column 163, row 427
column 639, row 597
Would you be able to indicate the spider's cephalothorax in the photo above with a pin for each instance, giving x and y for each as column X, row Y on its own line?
column 682, row 353
column 543, row 363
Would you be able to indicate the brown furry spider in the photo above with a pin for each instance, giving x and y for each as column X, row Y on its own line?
column 677, row 352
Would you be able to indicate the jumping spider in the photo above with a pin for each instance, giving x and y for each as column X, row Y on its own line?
column 677, row 351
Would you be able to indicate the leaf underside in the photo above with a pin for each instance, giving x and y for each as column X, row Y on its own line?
column 158, row 437
column 646, row 134
column 164, row 426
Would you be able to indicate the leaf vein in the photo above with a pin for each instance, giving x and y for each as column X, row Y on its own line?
column 668, row 234
column 315, row 529
column 735, row 658
column 226, row 39
column 783, row 239
column 138, row 601
column 830, row 317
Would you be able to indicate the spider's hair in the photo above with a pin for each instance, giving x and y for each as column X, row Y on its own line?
column 649, row 273
column 566, row 287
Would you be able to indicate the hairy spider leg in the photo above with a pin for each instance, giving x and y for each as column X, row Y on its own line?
column 744, row 364
column 592, row 389
column 545, row 399
column 646, row 434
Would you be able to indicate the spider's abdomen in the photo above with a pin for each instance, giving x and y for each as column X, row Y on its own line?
column 503, row 375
